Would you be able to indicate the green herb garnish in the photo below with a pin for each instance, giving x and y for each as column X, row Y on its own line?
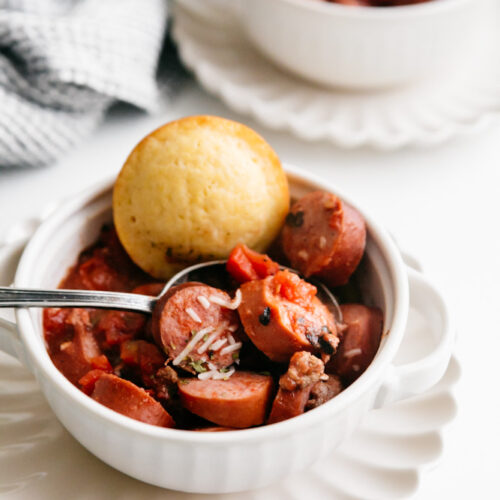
column 197, row 366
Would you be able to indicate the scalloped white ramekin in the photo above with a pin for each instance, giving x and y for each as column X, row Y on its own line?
column 223, row 462
column 362, row 47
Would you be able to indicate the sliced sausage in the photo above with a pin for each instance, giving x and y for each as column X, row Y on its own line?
column 75, row 357
column 288, row 404
column 360, row 341
column 323, row 391
column 304, row 371
column 282, row 315
column 130, row 400
column 153, row 290
column 196, row 328
column 324, row 237
column 240, row 401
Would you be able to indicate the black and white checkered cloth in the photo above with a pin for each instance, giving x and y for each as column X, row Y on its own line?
column 64, row 62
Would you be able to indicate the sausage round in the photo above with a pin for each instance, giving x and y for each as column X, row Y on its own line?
column 288, row 404
column 324, row 237
column 282, row 315
column 304, row 371
column 182, row 313
column 240, row 401
column 75, row 357
column 130, row 400
column 359, row 343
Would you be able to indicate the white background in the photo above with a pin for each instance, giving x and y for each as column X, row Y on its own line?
column 443, row 206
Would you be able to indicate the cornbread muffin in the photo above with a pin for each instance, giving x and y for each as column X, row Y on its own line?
column 193, row 189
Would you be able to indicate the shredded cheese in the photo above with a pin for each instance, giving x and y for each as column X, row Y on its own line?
column 211, row 338
column 303, row 254
column 190, row 345
column 216, row 375
column 233, row 304
column 217, row 345
column 203, row 301
column 206, row 375
column 352, row 352
column 64, row 345
column 231, row 348
column 193, row 314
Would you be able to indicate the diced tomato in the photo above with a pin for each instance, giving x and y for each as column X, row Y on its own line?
column 144, row 356
column 101, row 363
column 87, row 382
column 54, row 322
column 291, row 287
column 245, row 264
column 96, row 274
column 119, row 326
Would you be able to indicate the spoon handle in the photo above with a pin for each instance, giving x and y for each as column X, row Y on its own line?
column 18, row 297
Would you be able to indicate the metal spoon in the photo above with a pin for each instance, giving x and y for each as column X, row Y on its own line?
column 206, row 271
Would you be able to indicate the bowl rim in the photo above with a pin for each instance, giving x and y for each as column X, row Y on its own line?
column 42, row 364
column 399, row 12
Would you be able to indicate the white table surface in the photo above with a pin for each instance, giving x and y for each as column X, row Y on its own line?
column 442, row 205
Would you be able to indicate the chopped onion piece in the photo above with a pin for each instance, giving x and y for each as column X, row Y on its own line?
column 232, row 328
column 231, row 348
column 190, row 345
column 231, row 339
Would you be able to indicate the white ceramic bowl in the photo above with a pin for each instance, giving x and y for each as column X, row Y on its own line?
column 224, row 461
column 361, row 47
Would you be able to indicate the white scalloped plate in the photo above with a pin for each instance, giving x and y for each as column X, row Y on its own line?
column 213, row 46
column 383, row 460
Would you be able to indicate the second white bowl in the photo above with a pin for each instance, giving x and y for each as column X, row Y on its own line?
column 362, row 47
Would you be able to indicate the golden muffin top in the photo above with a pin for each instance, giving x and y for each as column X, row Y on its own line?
column 193, row 189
